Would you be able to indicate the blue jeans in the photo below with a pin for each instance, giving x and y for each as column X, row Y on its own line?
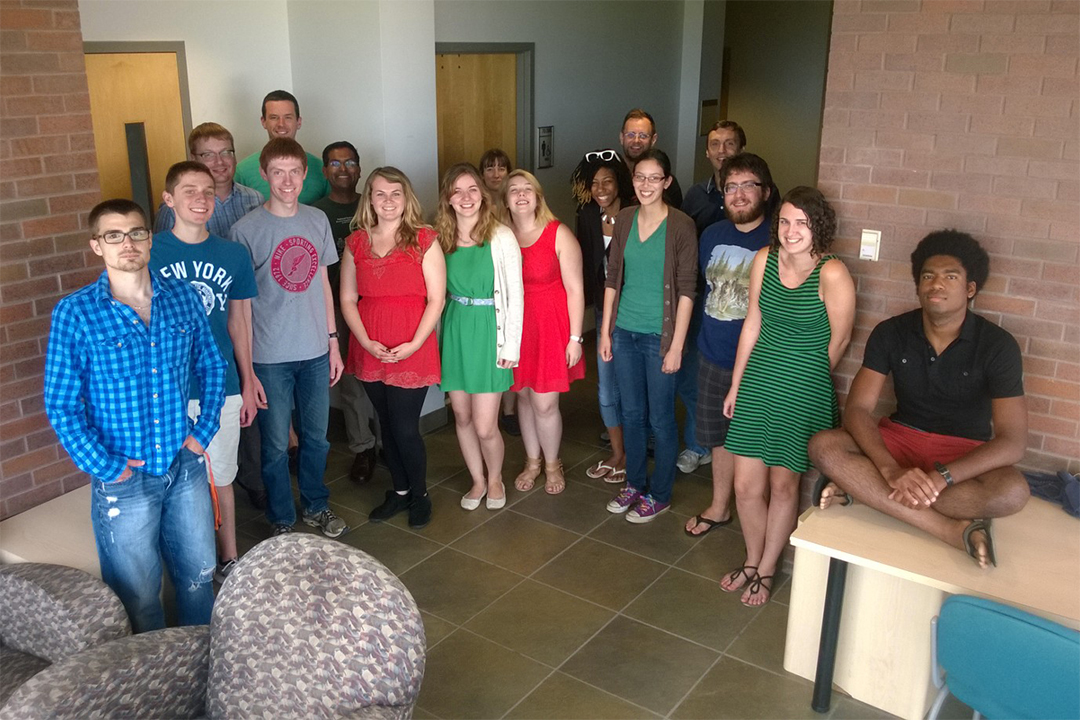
column 647, row 393
column 146, row 518
column 307, row 382
column 610, row 408
column 687, row 391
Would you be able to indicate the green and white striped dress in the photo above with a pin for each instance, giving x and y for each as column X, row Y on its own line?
column 786, row 394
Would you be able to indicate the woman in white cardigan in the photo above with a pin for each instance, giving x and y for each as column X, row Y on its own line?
column 481, row 330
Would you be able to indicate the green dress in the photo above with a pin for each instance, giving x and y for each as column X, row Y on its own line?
column 468, row 331
column 786, row 394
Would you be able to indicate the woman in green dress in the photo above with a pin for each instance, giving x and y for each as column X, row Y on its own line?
column 798, row 325
column 481, row 329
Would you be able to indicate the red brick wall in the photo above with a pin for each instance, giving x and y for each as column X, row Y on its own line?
column 963, row 113
column 48, row 183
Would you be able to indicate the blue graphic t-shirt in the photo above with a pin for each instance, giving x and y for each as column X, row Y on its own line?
column 219, row 270
column 725, row 255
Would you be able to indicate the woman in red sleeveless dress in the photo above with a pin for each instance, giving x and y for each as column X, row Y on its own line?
column 551, row 335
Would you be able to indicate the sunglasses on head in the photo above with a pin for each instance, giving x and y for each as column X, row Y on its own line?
column 602, row 155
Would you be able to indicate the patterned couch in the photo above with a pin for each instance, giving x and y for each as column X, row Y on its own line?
column 305, row 627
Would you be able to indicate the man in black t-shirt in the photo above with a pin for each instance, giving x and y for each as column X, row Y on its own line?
column 943, row 461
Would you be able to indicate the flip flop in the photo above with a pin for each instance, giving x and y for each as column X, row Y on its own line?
column 698, row 520
column 617, row 477
column 819, row 486
column 984, row 525
column 599, row 470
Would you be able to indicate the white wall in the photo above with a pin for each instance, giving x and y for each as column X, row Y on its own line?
column 594, row 60
column 236, row 52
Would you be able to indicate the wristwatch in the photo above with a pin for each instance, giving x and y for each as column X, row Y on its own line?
column 577, row 338
column 334, row 335
column 944, row 472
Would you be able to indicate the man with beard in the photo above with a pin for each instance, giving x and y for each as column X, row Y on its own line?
column 122, row 351
column 726, row 252
column 341, row 168
column 638, row 135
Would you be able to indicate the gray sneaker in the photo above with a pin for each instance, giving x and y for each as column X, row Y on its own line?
column 223, row 569
column 331, row 525
column 281, row 530
column 689, row 461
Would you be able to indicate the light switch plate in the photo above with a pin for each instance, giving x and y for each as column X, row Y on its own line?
column 870, row 244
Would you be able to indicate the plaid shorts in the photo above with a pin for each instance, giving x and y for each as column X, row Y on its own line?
column 714, row 382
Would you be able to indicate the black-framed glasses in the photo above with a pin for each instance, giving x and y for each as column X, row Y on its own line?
column 732, row 188
column 602, row 155
column 115, row 237
column 207, row 156
column 336, row 164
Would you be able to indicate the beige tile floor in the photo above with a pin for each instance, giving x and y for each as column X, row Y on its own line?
column 554, row 608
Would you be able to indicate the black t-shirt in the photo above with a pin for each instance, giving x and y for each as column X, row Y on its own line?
column 951, row 393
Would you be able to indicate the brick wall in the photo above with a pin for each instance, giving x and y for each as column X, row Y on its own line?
column 48, row 183
column 964, row 113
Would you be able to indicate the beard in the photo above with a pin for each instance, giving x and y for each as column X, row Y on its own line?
column 748, row 214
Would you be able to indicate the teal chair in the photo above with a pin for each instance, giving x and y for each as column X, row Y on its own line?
column 1003, row 662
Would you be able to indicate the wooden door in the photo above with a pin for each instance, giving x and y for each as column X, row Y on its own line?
column 135, row 88
column 476, row 105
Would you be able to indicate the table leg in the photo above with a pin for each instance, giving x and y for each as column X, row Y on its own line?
column 830, row 631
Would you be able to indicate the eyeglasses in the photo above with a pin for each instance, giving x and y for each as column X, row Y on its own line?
column 637, row 136
column 601, row 155
column 649, row 179
column 115, row 237
column 732, row 188
column 207, row 156
column 348, row 163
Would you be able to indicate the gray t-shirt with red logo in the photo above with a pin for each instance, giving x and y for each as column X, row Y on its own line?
column 289, row 314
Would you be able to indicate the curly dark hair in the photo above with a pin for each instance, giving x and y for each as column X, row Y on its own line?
column 582, row 177
column 818, row 211
column 957, row 244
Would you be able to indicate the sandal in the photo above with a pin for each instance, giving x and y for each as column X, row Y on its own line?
column 987, row 530
column 756, row 586
column 734, row 575
column 616, row 478
column 710, row 524
column 527, row 478
column 819, row 487
column 599, row 470
column 554, row 480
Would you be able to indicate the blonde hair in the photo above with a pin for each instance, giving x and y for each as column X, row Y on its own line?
column 543, row 213
column 446, row 219
column 411, row 219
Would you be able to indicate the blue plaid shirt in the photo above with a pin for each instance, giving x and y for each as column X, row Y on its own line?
column 117, row 389
column 240, row 202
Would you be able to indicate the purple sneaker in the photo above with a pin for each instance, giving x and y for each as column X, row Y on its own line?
column 624, row 500
column 646, row 510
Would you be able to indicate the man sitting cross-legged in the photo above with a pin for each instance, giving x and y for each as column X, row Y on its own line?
column 943, row 461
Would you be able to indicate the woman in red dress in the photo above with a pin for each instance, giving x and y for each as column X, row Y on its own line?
column 551, row 335
column 393, row 286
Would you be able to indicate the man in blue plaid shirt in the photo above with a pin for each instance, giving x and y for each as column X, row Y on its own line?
column 117, row 374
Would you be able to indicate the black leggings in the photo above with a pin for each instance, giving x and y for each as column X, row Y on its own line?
column 399, row 419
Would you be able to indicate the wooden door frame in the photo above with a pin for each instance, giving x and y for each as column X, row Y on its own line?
column 526, row 150
column 177, row 47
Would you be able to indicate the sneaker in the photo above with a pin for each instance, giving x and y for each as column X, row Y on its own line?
column 281, row 530
column 223, row 569
column 605, row 437
column 646, row 510
column 331, row 525
column 419, row 512
column 626, row 499
column 510, row 424
column 391, row 506
column 689, row 461
column 363, row 466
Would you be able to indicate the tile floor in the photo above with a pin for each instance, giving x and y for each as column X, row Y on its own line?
column 554, row 608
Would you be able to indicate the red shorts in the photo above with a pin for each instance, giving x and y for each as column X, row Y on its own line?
column 915, row 448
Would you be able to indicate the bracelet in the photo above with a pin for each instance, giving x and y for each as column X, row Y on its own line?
column 334, row 335
column 944, row 472
column 577, row 338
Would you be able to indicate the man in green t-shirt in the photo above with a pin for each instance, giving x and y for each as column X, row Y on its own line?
column 281, row 118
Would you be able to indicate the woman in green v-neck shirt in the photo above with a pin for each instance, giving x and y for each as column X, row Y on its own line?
column 648, row 299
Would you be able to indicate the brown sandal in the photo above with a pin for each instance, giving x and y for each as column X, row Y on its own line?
column 527, row 478
column 554, row 480
column 734, row 575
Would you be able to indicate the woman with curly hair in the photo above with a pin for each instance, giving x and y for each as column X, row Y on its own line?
column 481, row 331
column 798, row 325
column 602, row 187
column 393, row 286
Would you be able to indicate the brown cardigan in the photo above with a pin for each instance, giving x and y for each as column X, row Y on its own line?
column 680, row 266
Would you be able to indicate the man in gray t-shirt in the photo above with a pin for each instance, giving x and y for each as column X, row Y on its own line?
column 294, row 336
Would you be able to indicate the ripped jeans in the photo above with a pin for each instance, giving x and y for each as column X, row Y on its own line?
column 147, row 518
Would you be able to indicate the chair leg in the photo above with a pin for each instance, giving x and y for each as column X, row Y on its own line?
column 938, row 702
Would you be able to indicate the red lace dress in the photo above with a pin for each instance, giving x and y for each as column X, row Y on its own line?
column 393, row 296
column 546, row 328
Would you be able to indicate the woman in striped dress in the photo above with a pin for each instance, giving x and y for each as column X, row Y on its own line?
column 798, row 325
